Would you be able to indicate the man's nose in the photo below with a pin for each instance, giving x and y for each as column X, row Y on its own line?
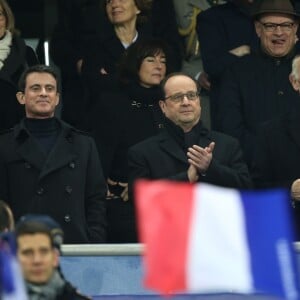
column 37, row 257
column 278, row 30
column 43, row 91
column 185, row 100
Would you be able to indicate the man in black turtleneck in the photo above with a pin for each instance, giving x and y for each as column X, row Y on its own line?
column 49, row 167
column 186, row 150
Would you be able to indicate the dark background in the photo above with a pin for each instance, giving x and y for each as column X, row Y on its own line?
column 34, row 18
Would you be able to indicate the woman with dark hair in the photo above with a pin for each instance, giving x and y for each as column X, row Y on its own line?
column 127, row 21
column 124, row 118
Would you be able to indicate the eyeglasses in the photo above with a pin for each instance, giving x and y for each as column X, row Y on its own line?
column 191, row 95
column 271, row 27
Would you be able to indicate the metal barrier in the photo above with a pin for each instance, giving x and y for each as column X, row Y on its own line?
column 106, row 270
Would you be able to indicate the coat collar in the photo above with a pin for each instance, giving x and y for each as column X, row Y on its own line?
column 170, row 145
column 61, row 154
column 286, row 58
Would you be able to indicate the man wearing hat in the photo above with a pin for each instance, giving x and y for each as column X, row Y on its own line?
column 257, row 87
column 37, row 252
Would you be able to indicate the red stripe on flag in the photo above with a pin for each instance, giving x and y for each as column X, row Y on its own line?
column 164, row 216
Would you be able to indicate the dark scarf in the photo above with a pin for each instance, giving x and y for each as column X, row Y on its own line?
column 45, row 131
column 185, row 140
column 48, row 291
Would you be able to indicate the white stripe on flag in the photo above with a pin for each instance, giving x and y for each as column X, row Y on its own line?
column 218, row 253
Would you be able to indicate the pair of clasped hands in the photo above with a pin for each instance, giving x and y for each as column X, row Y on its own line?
column 199, row 159
column 117, row 190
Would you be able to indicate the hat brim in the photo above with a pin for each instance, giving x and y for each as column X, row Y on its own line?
column 275, row 11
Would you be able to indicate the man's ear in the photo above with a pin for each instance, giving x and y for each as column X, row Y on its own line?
column 162, row 105
column 56, row 258
column 20, row 97
column 295, row 83
column 57, row 99
column 258, row 28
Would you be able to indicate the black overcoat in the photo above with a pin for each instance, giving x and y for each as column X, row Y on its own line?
column 161, row 157
column 277, row 157
column 253, row 91
column 68, row 185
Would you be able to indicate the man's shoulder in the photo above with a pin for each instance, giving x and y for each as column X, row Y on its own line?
column 80, row 132
column 148, row 143
column 73, row 131
column 249, row 63
column 70, row 292
column 218, row 11
column 6, row 133
column 220, row 137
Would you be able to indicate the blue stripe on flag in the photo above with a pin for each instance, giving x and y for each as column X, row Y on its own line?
column 270, row 236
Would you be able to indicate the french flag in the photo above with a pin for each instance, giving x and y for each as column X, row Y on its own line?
column 12, row 286
column 208, row 239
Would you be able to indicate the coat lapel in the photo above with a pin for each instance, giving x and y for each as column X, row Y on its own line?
column 169, row 145
column 205, row 139
column 30, row 151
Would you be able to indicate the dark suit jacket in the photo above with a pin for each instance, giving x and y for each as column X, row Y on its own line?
column 277, row 156
column 160, row 157
column 253, row 91
column 68, row 185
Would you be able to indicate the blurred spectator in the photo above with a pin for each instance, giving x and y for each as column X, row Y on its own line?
column 49, row 167
column 15, row 57
column 257, row 88
column 128, row 21
column 78, row 22
column 226, row 33
column 127, row 117
column 124, row 25
column 7, row 222
column 38, row 255
column 277, row 151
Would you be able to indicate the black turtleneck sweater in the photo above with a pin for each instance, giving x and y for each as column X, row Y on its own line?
column 45, row 131
column 185, row 139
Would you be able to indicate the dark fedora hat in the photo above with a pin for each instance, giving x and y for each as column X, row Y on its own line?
column 274, row 6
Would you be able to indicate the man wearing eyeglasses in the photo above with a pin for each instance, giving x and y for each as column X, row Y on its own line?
column 186, row 150
column 257, row 88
